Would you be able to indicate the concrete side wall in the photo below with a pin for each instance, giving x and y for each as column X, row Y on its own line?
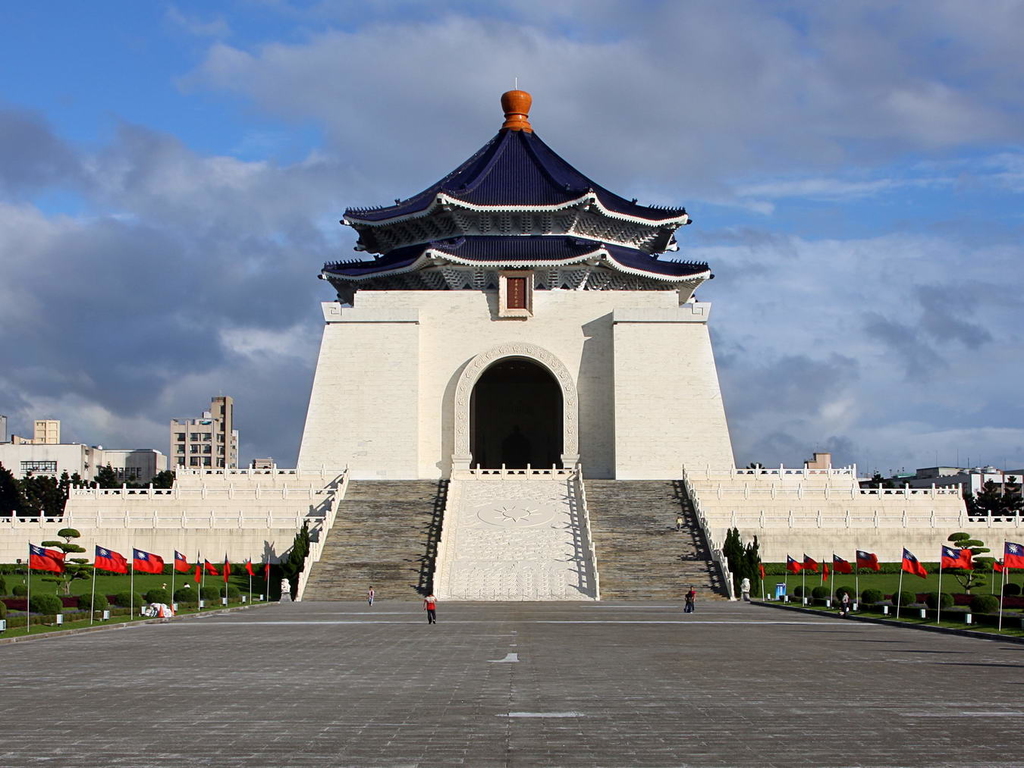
column 364, row 407
column 668, row 404
column 384, row 390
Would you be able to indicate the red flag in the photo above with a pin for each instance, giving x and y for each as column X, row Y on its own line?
column 181, row 563
column 109, row 560
column 824, row 572
column 145, row 562
column 912, row 565
column 1013, row 555
column 792, row 565
column 810, row 564
column 956, row 558
column 210, row 568
column 199, row 574
column 227, row 569
column 40, row 559
column 760, row 570
column 841, row 566
column 266, row 570
column 997, row 566
column 868, row 560
column 248, row 567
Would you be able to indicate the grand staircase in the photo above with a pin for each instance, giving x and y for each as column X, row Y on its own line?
column 640, row 554
column 385, row 535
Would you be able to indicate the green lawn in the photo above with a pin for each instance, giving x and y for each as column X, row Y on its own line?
column 1011, row 621
column 888, row 583
column 112, row 583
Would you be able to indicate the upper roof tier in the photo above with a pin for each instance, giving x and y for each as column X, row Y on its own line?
column 515, row 172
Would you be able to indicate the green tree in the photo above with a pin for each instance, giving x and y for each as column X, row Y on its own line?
column 1012, row 501
column 989, row 500
column 975, row 577
column 163, row 479
column 43, row 496
column 12, row 501
column 295, row 561
column 107, row 478
column 76, row 567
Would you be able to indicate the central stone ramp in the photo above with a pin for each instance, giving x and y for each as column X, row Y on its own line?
column 515, row 535
column 641, row 554
column 384, row 535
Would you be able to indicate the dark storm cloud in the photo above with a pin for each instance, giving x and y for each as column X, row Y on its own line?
column 32, row 157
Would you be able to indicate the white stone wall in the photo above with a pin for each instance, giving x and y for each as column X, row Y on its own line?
column 668, row 405
column 383, row 400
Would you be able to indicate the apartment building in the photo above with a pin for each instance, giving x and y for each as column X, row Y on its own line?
column 209, row 442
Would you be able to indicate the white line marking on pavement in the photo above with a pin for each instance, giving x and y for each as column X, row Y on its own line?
column 542, row 714
column 805, row 623
column 511, row 658
column 954, row 713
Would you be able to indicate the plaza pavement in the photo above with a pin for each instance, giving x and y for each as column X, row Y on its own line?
column 511, row 684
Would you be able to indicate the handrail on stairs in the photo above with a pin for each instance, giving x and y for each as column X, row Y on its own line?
column 713, row 545
column 581, row 502
column 316, row 548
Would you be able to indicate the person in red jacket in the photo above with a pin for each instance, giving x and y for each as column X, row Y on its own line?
column 430, row 606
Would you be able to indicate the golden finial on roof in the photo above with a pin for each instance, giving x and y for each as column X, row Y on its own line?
column 517, row 110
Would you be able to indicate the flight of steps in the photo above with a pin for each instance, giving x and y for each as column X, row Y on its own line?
column 385, row 535
column 640, row 554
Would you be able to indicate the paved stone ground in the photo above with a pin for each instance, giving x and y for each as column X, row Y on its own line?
column 522, row 684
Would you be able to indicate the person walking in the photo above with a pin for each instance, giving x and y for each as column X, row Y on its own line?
column 844, row 604
column 691, row 599
column 745, row 589
column 679, row 522
column 430, row 606
column 370, row 594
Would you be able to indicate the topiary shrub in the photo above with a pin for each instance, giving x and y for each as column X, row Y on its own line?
column 840, row 591
column 798, row 591
column 871, row 596
column 904, row 598
column 984, row 604
column 157, row 596
column 50, row 604
column 128, row 599
column 184, row 595
column 932, row 600
column 819, row 593
column 84, row 601
column 210, row 593
column 1011, row 590
column 3, row 610
column 19, row 590
column 3, row 586
column 234, row 593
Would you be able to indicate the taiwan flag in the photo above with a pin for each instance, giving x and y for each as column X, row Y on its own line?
column 266, row 570
column 227, row 569
column 1013, row 555
column 956, row 558
column 40, row 559
column 760, row 570
column 181, row 563
column 199, row 574
column 792, row 565
column 841, row 566
column 824, row 572
column 868, row 560
column 109, row 560
column 810, row 564
column 146, row 562
column 248, row 567
column 997, row 566
column 912, row 565
column 210, row 568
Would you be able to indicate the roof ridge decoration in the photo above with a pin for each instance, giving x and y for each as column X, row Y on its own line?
column 517, row 110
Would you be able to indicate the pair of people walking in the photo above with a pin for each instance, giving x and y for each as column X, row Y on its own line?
column 429, row 604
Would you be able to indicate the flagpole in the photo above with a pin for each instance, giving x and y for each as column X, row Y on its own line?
column 28, row 594
column 174, row 570
column 131, row 589
column 199, row 597
column 92, row 603
column 1002, row 588
column 266, row 577
column 856, row 571
column 898, row 591
column 938, row 609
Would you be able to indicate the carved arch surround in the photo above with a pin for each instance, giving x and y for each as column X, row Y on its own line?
column 521, row 349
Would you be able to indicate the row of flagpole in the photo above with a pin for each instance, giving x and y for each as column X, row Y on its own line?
column 52, row 560
column 1013, row 557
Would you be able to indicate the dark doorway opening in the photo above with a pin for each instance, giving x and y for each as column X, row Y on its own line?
column 516, row 416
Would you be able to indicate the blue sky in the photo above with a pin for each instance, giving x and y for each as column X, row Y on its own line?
column 171, row 176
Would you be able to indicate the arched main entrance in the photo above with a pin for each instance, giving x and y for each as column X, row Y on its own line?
column 546, row 363
column 516, row 416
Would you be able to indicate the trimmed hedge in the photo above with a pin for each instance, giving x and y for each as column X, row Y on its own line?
column 932, row 600
column 904, row 598
column 1011, row 590
column 871, row 596
column 186, row 595
column 234, row 593
column 3, row 610
column 19, row 590
column 819, row 593
column 128, row 599
column 157, row 596
column 50, row 604
column 798, row 591
column 210, row 593
column 984, row 604
column 84, row 601
column 3, row 586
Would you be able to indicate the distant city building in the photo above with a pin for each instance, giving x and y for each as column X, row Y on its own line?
column 3, row 428
column 136, row 465
column 209, row 442
column 44, row 432
column 970, row 480
column 820, row 461
column 262, row 464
